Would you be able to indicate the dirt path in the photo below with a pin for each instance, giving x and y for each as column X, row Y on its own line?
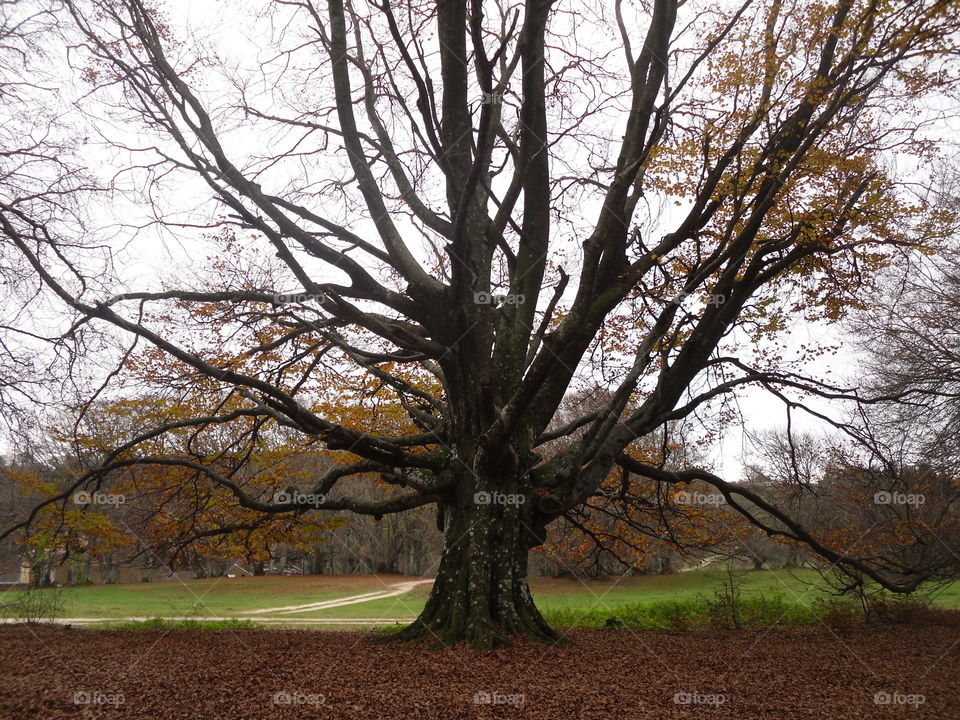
column 391, row 591
column 702, row 564
column 335, row 622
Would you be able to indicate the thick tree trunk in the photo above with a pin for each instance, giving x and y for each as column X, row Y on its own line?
column 481, row 594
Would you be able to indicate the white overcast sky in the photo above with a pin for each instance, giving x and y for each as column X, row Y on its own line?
column 151, row 259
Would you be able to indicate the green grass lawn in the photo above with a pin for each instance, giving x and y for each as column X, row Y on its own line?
column 216, row 596
column 557, row 595
column 795, row 585
column 226, row 597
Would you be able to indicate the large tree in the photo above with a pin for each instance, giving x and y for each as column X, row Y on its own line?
column 466, row 209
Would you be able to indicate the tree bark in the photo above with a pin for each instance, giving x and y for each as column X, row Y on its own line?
column 481, row 594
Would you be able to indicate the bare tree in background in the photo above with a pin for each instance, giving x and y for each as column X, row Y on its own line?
column 910, row 338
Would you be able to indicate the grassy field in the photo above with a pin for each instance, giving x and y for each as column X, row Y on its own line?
column 556, row 597
column 562, row 601
column 216, row 596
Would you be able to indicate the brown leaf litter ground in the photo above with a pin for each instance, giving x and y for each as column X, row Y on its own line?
column 890, row 671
